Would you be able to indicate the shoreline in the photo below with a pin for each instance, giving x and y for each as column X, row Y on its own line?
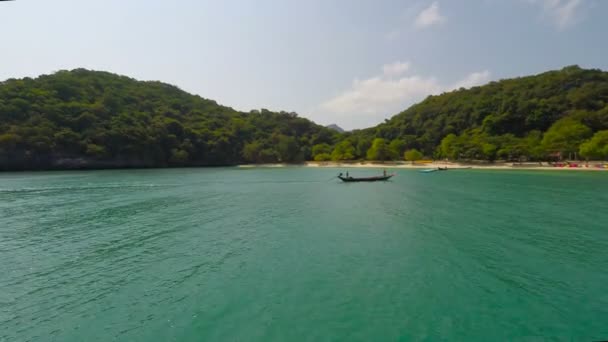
column 593, row 166
column 450, row 165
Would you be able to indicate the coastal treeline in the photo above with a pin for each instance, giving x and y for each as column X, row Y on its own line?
column 557, row 114
column 82, row 119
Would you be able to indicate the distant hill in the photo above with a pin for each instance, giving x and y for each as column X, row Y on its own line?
column 86, row 119
column 534, row 117
column 335, row 128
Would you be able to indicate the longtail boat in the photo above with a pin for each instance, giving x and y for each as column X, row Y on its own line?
column 365, row 179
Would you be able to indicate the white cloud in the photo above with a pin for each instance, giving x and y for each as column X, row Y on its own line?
column 370, row 100
column 377, row 94
column 563, row 12
column 474, row 79
column 395, row 69
column 429, row 16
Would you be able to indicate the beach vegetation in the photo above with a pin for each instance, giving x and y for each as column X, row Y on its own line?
column 413, row 155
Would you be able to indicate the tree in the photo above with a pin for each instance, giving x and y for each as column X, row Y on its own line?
column 379, row 150
column 363, row 144
column 288, row 149
column 413, row 155
column 532, row 147
column 268, row 155
column 84, row 121
column 565, row 136
column 508, row 147
column 323, row 157
column 449, row 147
column 596, row 147
column 251, row 152
column 343, row 151
column 95, row 151
column 320, row 149
column 178, row 156
column 489, row 151
column 67, row 140
column 396, row 148
column 9, row 141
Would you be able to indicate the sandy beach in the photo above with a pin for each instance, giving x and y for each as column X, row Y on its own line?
column 591, row 166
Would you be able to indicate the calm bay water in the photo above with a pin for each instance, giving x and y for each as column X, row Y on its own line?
column 288, row 254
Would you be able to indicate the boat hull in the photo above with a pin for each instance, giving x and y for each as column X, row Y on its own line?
column 365, row 179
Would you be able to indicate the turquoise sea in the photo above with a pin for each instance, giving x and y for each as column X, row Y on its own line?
column 291, row 254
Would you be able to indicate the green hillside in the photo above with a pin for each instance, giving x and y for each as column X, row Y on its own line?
column 85, row 119
column 531, row 117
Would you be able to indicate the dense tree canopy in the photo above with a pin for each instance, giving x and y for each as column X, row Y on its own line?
column 343, row 151
column 565, row 136
column 379, row 150
column 530, row 117
column 412, row 155
column 84, row 118
column 597, row 147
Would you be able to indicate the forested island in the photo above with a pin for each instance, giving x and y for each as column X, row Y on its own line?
column 92, row 119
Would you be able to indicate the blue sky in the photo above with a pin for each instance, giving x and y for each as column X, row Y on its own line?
column 353, row 63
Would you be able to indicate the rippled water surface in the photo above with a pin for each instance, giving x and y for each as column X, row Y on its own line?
column 291, row 254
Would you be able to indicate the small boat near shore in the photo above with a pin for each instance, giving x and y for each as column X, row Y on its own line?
column 349, row 179
column 434, row 170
